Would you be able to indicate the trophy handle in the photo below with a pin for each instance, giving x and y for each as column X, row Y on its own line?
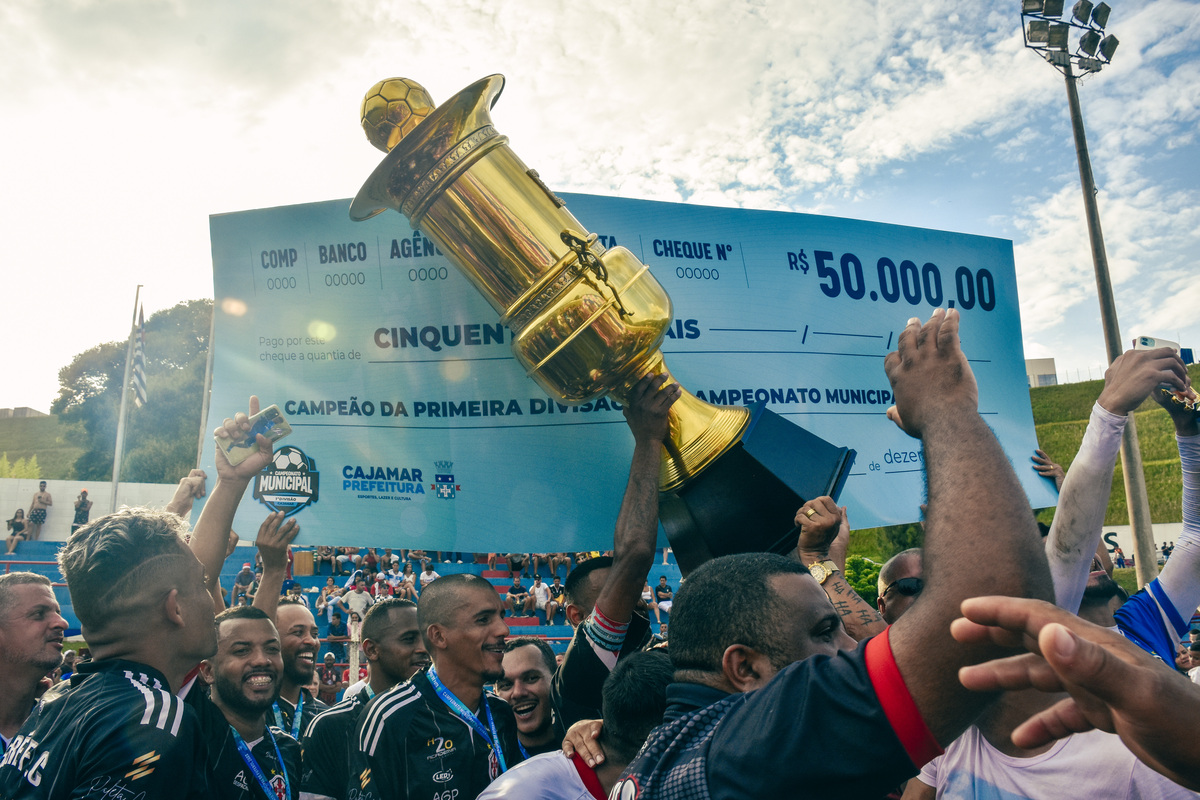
column 700, row 431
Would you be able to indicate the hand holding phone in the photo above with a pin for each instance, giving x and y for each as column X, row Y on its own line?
column 270, row 422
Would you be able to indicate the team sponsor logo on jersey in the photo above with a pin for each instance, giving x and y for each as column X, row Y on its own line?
column 289, row 483
column 143, row 765
column 443, row 481
column 239, row 781
column 444, row 776
column 442, row 747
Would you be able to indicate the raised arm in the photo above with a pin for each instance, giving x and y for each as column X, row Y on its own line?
column 274, row 536
column 1079, row 520
column 637, row 523
column 216, row 520
column 980, row 536
column 824, row 533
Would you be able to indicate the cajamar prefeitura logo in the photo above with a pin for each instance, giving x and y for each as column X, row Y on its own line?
column 289, row 483
column 443, row 481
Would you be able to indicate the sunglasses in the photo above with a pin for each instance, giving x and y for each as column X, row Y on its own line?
column 909, row 587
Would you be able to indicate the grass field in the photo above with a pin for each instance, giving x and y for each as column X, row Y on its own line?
column 44, row 437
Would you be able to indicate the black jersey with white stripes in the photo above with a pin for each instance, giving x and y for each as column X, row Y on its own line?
column 329, row 745
column 117, row 732
column 412, row 747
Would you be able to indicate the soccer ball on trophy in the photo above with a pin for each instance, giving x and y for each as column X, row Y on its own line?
column 392, row 108
column 288, row 458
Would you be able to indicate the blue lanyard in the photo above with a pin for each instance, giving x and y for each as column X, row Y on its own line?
column 252, row 763
column 460, row 710
column 295, row 717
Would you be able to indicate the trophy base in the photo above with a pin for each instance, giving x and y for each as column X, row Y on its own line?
column 746, row 500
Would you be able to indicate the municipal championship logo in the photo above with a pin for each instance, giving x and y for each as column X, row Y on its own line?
column 443, row 480
column 289, row 483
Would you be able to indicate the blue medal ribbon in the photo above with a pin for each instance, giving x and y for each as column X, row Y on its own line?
column 256, row 770
column 460, row 710
column 295, row 717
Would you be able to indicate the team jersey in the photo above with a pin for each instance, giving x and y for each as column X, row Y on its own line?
column 329, row 744
column 575, row 689
column 412, row 747
column 828, row 726
column 117, row 732
column 1141, row 621
column 287, row 713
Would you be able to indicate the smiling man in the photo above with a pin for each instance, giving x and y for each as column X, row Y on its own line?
column 528, row 669
column 31, row 642
column 439, row 735
column 247, row 758
column 395, row 652
column 296, row 707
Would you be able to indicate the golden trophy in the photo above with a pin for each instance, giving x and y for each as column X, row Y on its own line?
column 586, row 321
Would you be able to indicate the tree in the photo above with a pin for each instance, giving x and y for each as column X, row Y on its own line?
column 160, row 437
column 19, row 468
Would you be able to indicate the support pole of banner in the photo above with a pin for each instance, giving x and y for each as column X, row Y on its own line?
column 118, row 452
column 206, row 392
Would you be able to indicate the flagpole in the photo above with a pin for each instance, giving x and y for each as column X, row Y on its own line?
column 116, row 471
column 207, row 390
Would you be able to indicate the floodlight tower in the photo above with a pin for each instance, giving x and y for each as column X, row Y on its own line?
column 1050, row 34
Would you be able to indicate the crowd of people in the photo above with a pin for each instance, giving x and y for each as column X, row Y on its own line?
column 1000, row 660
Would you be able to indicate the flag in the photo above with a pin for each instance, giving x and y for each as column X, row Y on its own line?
column 139, row 362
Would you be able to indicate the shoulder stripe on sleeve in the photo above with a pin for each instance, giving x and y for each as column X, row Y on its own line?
column 384, row 708
column 897, row 703
column 343, row 707
column 169, row 707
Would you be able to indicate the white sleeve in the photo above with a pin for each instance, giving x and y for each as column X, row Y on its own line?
column 1180, row 578
column 1079, row 519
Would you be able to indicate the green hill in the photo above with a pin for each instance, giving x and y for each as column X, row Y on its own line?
column 52, row 442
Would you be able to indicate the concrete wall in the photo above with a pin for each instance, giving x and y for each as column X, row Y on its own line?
column 17, row 493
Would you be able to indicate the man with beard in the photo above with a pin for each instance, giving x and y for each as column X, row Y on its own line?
column 528, row 669
column 248, row 758
column 439, row 735
column 119, row 730
column 31, row 642
column 296, row 707
column 395, row 652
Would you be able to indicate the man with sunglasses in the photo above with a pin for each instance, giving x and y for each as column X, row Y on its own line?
column 900, row 583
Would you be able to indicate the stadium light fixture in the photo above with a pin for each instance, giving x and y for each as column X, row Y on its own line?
column 1047, row 34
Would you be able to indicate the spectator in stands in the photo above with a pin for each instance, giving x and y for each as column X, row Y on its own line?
column 241, row 583
column 428, row 576
column 528, row 669
column 327, row 599
column 462, row 621
column 18, row 530
column 635, row 697
column 37, row 511
column 557, row 600
column 336, row 637
column 83, row 511
column 356, row 601
column 395, row 652
column 329, row 677
column 325, row 553
column 407, row 589
column 1119, row 558
column 557, row 560
column 648, row 601
column 663, row 595
column 31, row 642
column 243, row 678
column 539, row 595
column 900, row 583
column 518, row 564
column 141, row 598
column 743, row 627
column 348, row 560
column 602, row 593
column 517, row 599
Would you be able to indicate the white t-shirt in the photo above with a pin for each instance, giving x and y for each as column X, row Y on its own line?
column 550, row 776
column 1194, row 674
column 357, row 601
column 354, row 689
column 541, row 594
column 1092, row 764
column 428, row 577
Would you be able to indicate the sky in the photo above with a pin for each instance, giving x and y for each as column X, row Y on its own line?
column 126, row 123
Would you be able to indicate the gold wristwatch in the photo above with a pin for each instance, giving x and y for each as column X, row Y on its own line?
column 821, row 570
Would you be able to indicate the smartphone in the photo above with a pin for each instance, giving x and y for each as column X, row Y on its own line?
column 1150, row 343
column 270, row 422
